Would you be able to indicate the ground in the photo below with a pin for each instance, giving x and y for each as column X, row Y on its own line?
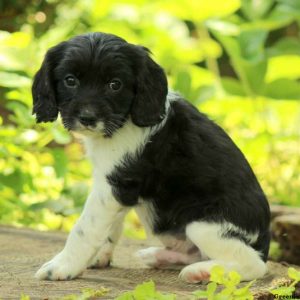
column 23, row 251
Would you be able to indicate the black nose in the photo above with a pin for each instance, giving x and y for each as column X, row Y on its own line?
column 87, row 118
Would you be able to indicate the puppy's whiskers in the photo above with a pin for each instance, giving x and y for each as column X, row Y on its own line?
column 112, row 126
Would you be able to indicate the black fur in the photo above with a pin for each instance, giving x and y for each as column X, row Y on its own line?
column 190, row 169
column 43, row 89
column 95, row 59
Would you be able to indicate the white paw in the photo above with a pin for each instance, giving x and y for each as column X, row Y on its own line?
column 196, row 272
column 149, row 256
column 61, row 267
column 101, row 260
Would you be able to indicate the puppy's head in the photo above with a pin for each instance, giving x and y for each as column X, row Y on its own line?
column 96, row 81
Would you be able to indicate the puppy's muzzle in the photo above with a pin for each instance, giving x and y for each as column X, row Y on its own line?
column 87, row 118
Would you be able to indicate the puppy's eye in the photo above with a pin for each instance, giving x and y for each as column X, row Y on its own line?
column 71, row 81
column 115, row 84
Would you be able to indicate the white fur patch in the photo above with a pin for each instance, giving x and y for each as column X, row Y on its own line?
column 230, row 253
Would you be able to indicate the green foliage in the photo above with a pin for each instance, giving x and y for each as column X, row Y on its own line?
column 229, row 282
column 87, row 293
column 222, row 286
column 287, row 291
column 237, row 60
column 145, row 291
column 275, row 251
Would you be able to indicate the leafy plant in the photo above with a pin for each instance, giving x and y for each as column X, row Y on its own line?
column 230, row 291
column 287, row 291
column 87, row 293
column 145, row 291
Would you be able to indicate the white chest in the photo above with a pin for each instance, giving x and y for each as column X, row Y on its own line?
column 107, row 153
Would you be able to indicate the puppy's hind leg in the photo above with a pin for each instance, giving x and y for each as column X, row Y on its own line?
column 160, row 257
column 230, row 253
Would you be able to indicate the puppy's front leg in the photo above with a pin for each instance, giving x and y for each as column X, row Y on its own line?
column 103, row 257
column 86, row 238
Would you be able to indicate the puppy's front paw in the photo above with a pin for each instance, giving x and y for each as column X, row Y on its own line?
column 61, row 267
column 102, row 258
column 100, row 261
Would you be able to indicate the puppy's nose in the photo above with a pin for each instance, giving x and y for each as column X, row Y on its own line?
column 87, row 118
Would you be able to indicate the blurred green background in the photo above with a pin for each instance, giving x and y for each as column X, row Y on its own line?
column 236, row 60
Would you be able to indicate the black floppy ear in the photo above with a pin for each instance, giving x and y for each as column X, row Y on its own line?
column 148, row 107
column 43, row 89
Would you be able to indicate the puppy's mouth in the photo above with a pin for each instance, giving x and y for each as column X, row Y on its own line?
column 85, row 128
column 105, row 128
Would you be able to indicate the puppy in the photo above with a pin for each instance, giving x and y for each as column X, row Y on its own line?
column 152, row 151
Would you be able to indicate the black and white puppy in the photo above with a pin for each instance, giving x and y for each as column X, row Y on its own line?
column 152, row 151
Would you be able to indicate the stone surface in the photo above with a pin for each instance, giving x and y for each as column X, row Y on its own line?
column 23, row 251
column 279, row 210
column 286, row 231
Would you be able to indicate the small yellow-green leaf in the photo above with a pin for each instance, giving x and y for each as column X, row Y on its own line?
column 294, row 274
column 9, row 79
column 283, row 291
column 234, row 277
column 211, row 288
column 217, row 274
column 200, row 294
column 283, row 66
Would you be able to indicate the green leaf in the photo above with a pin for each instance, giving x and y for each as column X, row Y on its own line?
column 248, row 58
column 233, row 86
column 294, row 274
column 199, row 11
column 285, row 46
column 8, row 79
column 244, row 292
column 86, row 294
column 234, row 278
column 283, row 14
column 283, row 291
column 10, row 61
column 293, row 4
column 217, row 274
column 200, row 294
column 252, row 44
column 183, row 83
column 284, row 66
column 211, row 288
column 60, row 162
column 280, row 16
column 254, row 9
column 60, row 135
column 275, row 251
column 223, row 27
column 146, row 290
column 283, row 89
column 20, row 114
column 17, row 39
